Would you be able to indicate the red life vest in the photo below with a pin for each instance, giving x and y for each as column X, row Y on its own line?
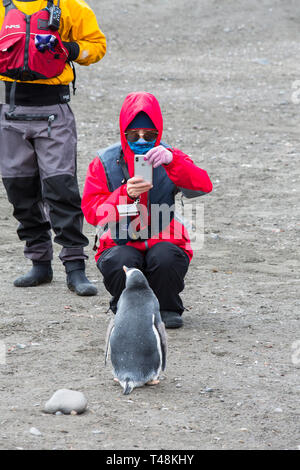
column 19, row 57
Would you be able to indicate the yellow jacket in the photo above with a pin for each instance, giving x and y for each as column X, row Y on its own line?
column 79, row 24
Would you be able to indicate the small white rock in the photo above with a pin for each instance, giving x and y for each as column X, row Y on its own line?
column 35, row 432
column 66, row 401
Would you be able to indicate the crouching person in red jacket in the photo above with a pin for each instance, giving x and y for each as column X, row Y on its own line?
column 136, row 215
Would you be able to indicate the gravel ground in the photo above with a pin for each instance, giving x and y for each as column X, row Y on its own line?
column 224, row 73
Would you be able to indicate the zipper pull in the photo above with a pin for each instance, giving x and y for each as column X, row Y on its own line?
column 50, row 120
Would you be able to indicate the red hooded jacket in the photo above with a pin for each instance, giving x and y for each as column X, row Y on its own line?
column 181, row 171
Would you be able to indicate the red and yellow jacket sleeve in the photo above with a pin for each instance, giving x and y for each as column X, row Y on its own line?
column 78, row 24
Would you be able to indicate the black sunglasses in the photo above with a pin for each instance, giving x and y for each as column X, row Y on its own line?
column 133, row 135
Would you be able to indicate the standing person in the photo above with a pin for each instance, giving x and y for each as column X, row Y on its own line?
column 158, row 246
column 39, row 40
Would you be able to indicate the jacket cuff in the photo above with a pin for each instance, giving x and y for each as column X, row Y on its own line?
column 72, row 48
column 123, row 192
column 174, row 161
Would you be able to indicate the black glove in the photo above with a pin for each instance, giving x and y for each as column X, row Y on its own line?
column 72, row 48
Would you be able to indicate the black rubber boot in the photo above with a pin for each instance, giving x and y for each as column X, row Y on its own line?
column 171, row 319
column 40, row 273
column 77, row 280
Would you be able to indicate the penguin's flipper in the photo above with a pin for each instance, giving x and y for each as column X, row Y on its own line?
column 160, row 326
column 108, row 334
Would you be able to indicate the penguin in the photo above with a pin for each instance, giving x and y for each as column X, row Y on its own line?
column 136, row 337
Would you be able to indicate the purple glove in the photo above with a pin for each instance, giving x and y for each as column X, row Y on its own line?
column 158, row 156
column 44, row 42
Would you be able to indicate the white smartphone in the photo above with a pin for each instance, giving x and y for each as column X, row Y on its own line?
column 143, row 169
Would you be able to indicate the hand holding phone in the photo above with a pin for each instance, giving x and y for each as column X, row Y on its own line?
column 136, row 186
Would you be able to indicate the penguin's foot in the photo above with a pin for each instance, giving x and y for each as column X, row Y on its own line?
column 116, row 380
column 153, row 382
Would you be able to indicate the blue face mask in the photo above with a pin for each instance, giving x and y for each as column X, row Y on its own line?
column 141, row 146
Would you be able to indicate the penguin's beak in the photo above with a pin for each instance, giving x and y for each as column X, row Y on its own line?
column 125, row 269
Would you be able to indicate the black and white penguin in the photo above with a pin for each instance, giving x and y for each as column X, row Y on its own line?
column 136, row 337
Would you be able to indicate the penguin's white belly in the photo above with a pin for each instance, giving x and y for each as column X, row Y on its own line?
column 158, row 347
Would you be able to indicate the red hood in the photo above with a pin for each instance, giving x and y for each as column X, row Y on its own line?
column 135, row 103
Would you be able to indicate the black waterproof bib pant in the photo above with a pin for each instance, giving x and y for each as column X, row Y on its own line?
column 164, row 265
column 38, row 167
